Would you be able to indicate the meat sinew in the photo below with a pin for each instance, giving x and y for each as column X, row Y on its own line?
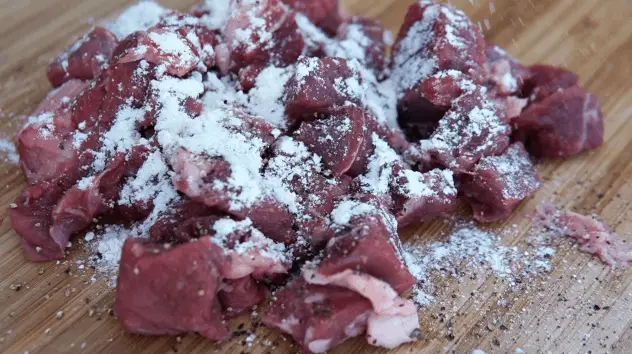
column 258, row 143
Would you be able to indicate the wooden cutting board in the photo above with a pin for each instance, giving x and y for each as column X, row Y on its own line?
column 580, row 306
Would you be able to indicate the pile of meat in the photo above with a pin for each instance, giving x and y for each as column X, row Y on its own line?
column 256, row 145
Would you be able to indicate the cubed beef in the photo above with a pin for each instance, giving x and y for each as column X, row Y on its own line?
column 319, row 85
column 370, row 246
column 31, row 219
column 202, row 38
column 506, row 76
column 171, row 290
column 299, row 169
column 394, row 320
column 273, row 219
column 84, row 59
column 498, row 184
column 162, row 46
column 362, row 39
column 263, row 32
column 336, row 138
column 238, row 296
column 591, row 234
column 565, row 123
column 61, row 97
column 471, row 129
column 423, row 106
column 436, row 37
column 544, row 80
column 86, row 200
column 318, row 317
column 177, row 218
column 420, row 197
column 323, row 13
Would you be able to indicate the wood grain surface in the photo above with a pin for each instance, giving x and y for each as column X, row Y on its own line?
column 580, row 306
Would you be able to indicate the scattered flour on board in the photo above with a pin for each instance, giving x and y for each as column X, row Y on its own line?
column 8, row 148
column 474, row 249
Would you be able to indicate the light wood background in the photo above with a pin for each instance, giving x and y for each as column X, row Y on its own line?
column 581, row 306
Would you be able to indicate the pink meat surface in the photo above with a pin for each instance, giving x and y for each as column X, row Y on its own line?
column 563, row 124
column 84, row 59
column 591, row 234
column 498, row 184
column 263, row 32
column 320, row 85
column 318, row 317
column 164, row 290
column 325, row 13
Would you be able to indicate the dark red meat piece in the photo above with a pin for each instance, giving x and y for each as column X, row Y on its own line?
column 421, row 108
column 164, row 229
column 61, row 97
column 362, row 39
column 84, row 59
column 565, row 123
column 320, row 85
column 273, row 219
column 202, row 38
column 83, row 202
column 323, row 13
column 370, row 246
column 161, row 46
column 31, row 219
column 471, row 129
column 544, row 80
column 336, row 138
column 240, row 295
column 263, row 32
column 171, row 291
column 318, row 317
column 423, row 197
column 506, row 76
column 433, row 38
column 499, row 183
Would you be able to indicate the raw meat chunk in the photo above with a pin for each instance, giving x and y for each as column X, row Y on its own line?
column 320, row 85
column 247, row 250
column 263, row 32
column 323, row 13
column 592, row 235
column 471, row 129
column 163, row 46
column 31, row 219
column 300, row 170
column 565, row 123
column 423, row 197
column 423, row 106
column 506, row 75
column 433, row 38
column 171, row 290
column 238, row 296
column 336, row 138
column 394, row 320
column 498, row 184
column 82, row 203
column 85, row 59
column 362, row 39
column 169, row 227
column 544, row 80
column 202, row 38
column 61, row 97
column 367, row 243
column 318, row 317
